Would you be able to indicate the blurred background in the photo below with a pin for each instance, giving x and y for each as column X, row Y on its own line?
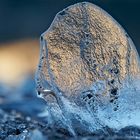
column 22, row 22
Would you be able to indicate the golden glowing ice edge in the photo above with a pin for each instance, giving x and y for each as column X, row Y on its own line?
column 88, row 71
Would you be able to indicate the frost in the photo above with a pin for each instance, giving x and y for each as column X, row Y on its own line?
column 88, row 72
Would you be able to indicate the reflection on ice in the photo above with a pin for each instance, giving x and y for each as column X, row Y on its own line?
column 88, row 72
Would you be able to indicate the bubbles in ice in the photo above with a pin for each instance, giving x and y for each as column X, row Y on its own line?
column 88, row 71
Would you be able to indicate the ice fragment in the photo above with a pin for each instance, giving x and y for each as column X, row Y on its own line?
column 89, row 70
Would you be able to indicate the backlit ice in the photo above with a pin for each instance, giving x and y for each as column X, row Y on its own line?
column 88, row 72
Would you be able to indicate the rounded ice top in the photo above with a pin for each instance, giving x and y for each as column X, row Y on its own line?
column 87, row 58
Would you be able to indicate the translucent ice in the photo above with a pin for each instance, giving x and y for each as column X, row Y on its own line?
column 88, row 71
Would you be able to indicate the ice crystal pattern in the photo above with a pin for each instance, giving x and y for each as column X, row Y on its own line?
column 88, row 71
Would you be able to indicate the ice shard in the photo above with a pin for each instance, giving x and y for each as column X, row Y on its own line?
column 88, row 61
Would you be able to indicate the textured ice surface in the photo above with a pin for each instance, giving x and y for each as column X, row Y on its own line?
column 88, row 71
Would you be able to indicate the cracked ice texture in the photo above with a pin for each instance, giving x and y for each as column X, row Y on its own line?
column 86, row 51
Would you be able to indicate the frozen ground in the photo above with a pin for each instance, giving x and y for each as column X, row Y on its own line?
column 17, row 126
column 19, row 119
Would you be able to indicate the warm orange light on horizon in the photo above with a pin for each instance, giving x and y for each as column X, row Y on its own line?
column 17, row 60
